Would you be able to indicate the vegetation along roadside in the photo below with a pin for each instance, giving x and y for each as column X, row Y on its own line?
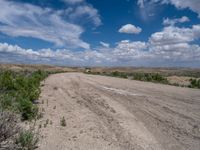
column 148, row 77
column 19, row 92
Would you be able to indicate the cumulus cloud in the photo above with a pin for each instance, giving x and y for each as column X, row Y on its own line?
column 130, row 47
column 175, row 44
column 171, row 35
column 168, row 21
column 171, row 46
column 161, row 49
column 130, row 29
column 27, row 20
column 129, row 51
column 43, row 53
column 58, row 56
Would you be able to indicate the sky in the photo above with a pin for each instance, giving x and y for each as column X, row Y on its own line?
column 147, row 33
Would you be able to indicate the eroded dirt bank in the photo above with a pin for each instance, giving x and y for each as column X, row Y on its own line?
column 105, row 113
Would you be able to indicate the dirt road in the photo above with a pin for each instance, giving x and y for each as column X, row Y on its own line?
column 105, row 113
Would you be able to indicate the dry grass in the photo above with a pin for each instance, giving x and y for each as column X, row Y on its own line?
column 25, row 67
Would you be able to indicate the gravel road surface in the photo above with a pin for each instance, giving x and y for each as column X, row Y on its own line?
column 106, row 113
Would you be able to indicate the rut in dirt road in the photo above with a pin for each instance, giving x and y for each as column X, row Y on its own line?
column 105, row 113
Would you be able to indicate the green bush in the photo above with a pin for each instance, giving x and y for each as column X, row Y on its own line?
column 6, row 80
column 119, row 74
column 150, row 77
column 7, row 101
column 27, row 109
column 18, row 91
column 115, row 74
column 27, row 140
column 194, row 83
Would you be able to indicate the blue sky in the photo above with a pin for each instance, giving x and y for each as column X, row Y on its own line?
column 101, row 32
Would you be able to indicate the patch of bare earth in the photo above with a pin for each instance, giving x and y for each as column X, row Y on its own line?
column 185, row 81
column 105, row 113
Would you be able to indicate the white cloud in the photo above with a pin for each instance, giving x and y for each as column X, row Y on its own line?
column 173, row 44
column 62, row 56
column 159, row 50
column 127, row 51
column 14, row 53
column 130, row 29
column 193, row 5
column 179, row 52
column 131, row 46
column 170, row 47
column 168, row 21
column 86, row 11
column 26, row 20
column 149, row 7
column 105, row 44
column 183, row 19
column 73, row 1
column 171, row 35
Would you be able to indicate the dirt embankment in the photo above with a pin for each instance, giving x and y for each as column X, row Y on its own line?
column 104, row 113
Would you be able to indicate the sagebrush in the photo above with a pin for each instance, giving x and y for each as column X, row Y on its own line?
column 18, row 91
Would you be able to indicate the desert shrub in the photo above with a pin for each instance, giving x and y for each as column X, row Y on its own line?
column 115, row 73
column 27, row 109
column 198, row 83
column 138, row 76
column 8, row 129
column 6, row 80
column 27, row 140
column 119, row 74
column 158, row 78
column 150, row 77
column 6, row 101
column 18, row 91
column 63, row 122
column 194, row 83
column 123, row 75
column 12, row 137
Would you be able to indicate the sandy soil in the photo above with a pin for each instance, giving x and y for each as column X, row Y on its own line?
column 179, row 80
column 105, row 113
